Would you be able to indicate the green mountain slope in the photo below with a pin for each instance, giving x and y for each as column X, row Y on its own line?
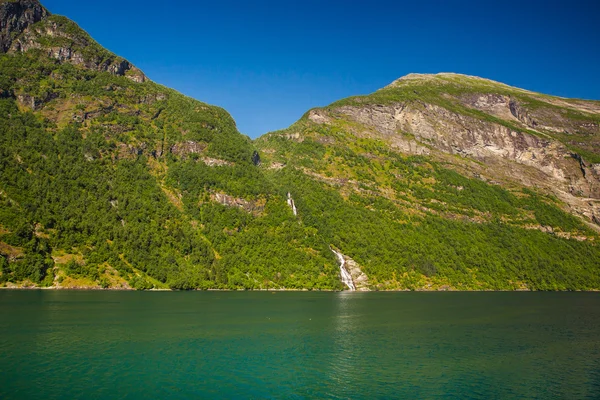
column 450, row 181
column 108, row 179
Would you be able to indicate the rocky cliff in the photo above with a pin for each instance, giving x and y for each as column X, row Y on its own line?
column 16, row 16
column 27, row 25
column 513, row 135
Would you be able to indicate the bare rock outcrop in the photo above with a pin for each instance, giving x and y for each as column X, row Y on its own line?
column 416, row 127
column 183, row 149
column 550, row 116
column 360, row 281
column 71, row 49
column 129, row 152
column 16, row 16
column 521, row 114
column 26, row 25
column 254, row 207
column 318, row 116
column 215, row 162
column 35, row 103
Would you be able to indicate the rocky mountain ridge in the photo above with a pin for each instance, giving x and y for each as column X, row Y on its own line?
column 16, row 16
column 515, row 143
column 28, row 25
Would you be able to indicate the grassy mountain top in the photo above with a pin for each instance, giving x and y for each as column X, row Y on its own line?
column 572, row 122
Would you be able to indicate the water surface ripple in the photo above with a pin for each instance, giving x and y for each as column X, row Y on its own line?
column 183, row 345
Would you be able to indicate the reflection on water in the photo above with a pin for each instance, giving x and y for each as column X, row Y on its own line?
column 344, row 363
column 298, row 345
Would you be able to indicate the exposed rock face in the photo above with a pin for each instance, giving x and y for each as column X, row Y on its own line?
column 129, row 152
column 16, row 16
column 318, row 116
column 359, row 280
column 153, row 98
column 386, row 121
column 294, row 137
column 276, row 165
column 19, row 34
column 35, row 103
column 532, row 160
column 545, row 118
column 189, row 147
column 519, row 113
column 254, row 207
column 72, row 50
column 215, row 162
column 255, row 158
column 185, row 149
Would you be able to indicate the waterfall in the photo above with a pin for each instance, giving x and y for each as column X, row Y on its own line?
column 344, row 274
column 291, row 203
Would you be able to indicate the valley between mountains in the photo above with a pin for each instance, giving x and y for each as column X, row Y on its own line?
column 434, row 182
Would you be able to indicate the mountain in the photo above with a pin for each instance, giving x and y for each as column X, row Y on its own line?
column 435, row 182
column 483, row 128
column 108, row 179
column 450, row 181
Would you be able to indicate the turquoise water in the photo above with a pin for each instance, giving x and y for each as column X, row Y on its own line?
column 183, row 345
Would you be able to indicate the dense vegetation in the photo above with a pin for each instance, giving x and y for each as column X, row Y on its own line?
column 103, row 183
column 413, row 223
column 107, row 182
column 60, row 195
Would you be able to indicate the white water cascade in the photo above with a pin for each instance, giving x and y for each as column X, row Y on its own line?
column 344, row 274
column 291, row 203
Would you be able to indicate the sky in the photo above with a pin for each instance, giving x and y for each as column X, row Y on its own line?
column 268, row 62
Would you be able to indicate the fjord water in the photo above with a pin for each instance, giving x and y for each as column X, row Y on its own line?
column 172, row 345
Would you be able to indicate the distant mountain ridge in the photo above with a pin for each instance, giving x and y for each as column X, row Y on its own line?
column 435, row 182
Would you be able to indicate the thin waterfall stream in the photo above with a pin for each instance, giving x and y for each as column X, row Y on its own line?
column 344, row 274
column 291, row 203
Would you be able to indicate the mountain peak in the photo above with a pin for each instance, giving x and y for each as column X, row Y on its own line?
column 16, row 16
column 27, row 25
column 22, row 3
column 441, row 78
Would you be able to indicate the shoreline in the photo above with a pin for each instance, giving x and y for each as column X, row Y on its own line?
column 170, row 290
column 295, row 290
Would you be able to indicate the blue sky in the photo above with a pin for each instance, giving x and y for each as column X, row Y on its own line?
column 268, row 62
